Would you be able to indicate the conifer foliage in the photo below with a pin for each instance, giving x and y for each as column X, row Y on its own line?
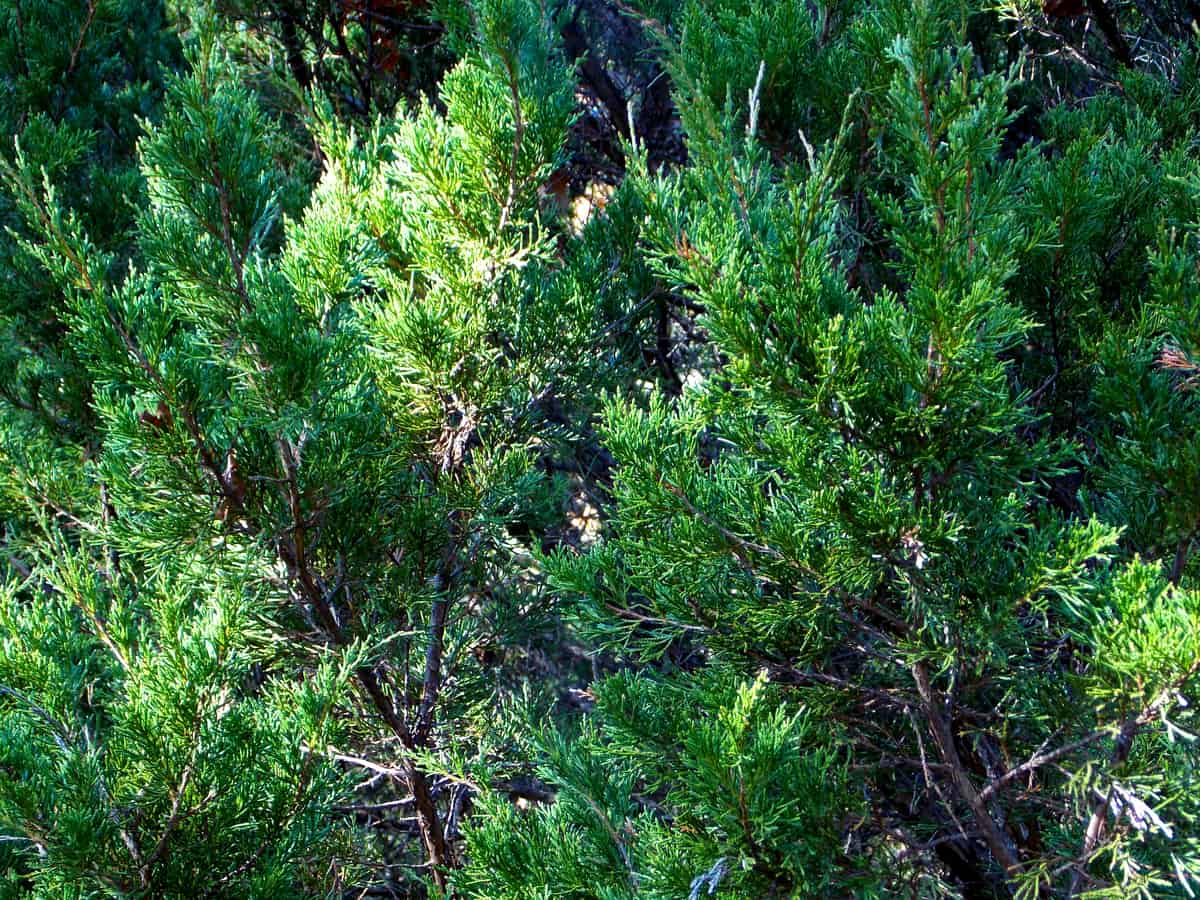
column 885, row 401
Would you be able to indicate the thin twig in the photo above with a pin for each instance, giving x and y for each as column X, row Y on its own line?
column 518, row 138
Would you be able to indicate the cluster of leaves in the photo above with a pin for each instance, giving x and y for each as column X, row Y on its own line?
column 888, row 399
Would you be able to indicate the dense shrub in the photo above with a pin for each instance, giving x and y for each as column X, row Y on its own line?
column 814, row 518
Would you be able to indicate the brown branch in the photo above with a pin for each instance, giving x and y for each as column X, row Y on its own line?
column 294, row 50
column 236, row 261
column 449, row 568
column 432, row 682
column 1039, row 760
column 591, row 67
column 1181, row 558
column 1111, row 30
column 21, row 43
column 293, row 553
column 361, row 75
column 78, row 48
column 518, row 138
column 998, row 842
column 930, row 781
column 173, row 819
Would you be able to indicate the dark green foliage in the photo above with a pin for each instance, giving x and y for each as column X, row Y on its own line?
column 818, row 519
column 923, row 340
column 333, row 414
column 748, row 776
column 77, row 78
column 137, row 753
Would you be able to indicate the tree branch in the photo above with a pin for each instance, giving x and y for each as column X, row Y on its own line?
column 1000, row 844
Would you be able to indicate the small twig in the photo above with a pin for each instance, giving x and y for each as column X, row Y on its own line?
column 458, row 798
column 930, row 781
column 1181, row 558
column 633, row 615
column 1039, row 760
column 78, row 48
column 518, row 138
column 173, row 819
column 374, row 807
column 740, row 543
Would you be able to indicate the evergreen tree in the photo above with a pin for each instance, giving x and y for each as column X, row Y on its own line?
column 886, row 398
column 316, row 425
column 856, row 518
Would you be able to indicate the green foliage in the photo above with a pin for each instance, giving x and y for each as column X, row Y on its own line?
column 77, row 79
column 817, row 519
column 753, row 794
column 140, row 749
column 331, row 410
column 862, row 504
